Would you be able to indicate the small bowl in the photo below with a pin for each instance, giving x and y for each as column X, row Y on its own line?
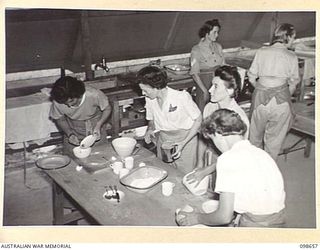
column 81, row 152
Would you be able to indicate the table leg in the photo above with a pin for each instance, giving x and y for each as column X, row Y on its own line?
column 57, row 199
column 307, row 148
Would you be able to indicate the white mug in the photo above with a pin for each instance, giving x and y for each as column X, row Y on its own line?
column 128, row 162
column 123, row 172
column 167, row 188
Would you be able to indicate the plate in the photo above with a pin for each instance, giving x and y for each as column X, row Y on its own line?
column 88, row 141
column 177, row 69
column 53, row 162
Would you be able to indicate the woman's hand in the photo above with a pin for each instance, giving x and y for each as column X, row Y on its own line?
column 149, row 136
column 196, row 177
column 73, row 139
column 97, row 132
column 187, row 219
column 178, row 149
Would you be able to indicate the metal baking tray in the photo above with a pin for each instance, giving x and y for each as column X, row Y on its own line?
column 143, row 179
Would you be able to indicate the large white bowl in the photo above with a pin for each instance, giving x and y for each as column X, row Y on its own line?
column 196, row 190
column 124, row 146
column 81, row 152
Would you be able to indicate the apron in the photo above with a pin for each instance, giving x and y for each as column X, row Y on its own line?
column 187, row 160
column 262, row 96
column 206, row 77
column 82, row 129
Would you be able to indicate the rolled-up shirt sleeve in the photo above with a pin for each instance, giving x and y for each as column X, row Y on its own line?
column 254, row 68
column 190, row 106
column 103, row 100
column 295, row 69
column 55, row 113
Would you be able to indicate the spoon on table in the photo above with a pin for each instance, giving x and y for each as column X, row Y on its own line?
column 117, row 193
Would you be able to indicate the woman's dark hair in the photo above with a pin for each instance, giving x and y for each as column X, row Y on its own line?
column 224, row 122
column 231, row 77
column 208, row 26
column 153, row 76
column 282, row 33
column 67, row 87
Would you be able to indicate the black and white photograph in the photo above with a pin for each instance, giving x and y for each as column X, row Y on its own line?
column 169, row 119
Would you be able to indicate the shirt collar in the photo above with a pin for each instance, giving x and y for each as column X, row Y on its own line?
column 240, row 144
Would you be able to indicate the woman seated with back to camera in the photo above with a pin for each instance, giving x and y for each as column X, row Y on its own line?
column 249, row 181
column 173, row 113
column 225, row 88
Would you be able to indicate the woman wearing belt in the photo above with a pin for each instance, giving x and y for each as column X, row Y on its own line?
column 173, row 113
column 205, row 57
column 274, row 73
column 79, row 111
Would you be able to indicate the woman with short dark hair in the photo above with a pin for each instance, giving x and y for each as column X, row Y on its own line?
column 225, row 87
column 205, row 57
column 78, row 110
column 173, row 113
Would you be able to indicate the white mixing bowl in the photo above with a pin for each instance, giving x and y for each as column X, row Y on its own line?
column 81, row 152
column 124, row 146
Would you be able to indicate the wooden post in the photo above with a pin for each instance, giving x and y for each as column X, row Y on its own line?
column 86, row 46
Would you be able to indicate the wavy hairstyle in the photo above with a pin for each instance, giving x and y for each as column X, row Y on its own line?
column 282, row 33
column 231, row 78
column 153, row 76
column 208, row 26
column 224, row 122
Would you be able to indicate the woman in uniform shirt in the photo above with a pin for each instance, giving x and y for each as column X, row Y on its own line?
column 79, row 111
column 274, row 73
column 205, row 57
column 173, row 113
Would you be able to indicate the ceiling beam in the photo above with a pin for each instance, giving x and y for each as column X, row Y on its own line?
column 172, row 32
column 256, row 21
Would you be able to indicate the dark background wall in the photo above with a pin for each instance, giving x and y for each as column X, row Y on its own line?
column 53, row 38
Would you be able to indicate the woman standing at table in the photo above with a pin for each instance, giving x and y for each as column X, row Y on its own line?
column 274, row 73
column 205, row 57
column 173, row 113
column 79, row 111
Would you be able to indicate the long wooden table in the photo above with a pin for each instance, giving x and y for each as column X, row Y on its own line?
column 135, row 209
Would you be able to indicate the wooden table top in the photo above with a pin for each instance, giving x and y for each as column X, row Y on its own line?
column 135, row 209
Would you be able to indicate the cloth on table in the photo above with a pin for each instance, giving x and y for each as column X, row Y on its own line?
column 27, row 118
